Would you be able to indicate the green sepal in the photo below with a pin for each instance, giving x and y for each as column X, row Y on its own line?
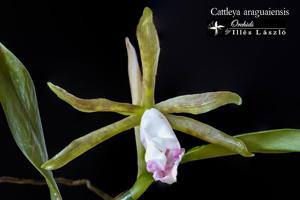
column 149, row 50
column 88, row 141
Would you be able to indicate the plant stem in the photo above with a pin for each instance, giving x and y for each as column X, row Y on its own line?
column 140, row 153
column 60, row 180
column 139, row 187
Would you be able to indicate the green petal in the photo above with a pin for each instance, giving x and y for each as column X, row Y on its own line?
column 85, row 143
column 139, row 187
column 134, row 74
column 149, row 50
column 94, row 105
column 135, row 81
column 199, row 103
column 271, row 141
column 18, row 99
column 208, row 133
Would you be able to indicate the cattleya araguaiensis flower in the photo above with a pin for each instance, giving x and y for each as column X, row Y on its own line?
column 163, row 151
column 158, row 151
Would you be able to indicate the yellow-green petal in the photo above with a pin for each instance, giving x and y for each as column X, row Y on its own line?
column 134, row 74
column 199, row 103
column 149, row 50
column 135, row 82
column 208, row 133
column 85, row 143
column 94, row 105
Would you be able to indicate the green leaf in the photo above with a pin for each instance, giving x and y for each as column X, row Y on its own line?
column 94, row 105
column 149, row 50
column 199, row 103
column 208, row 133
column 18, row 99
column 271, row 141
column 135, row 81
column 86, row 142
column 139, row 187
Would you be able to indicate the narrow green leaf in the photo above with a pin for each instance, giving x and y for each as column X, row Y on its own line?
column 135, row 82
column 149, row 50
column 208, row 133
column 86, row 142
column 199, row 103
column 18, row 99
column 271, row 141
column 94, row 105
column 139, row 187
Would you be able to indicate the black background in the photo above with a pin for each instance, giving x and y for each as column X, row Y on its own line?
column 79, row 45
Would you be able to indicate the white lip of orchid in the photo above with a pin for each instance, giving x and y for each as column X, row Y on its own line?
column 163, row 151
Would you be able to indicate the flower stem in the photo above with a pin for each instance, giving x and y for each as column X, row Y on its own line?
column 140, row 153
column 139, row 187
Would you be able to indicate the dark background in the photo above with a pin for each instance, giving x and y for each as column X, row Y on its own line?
column 80, row 46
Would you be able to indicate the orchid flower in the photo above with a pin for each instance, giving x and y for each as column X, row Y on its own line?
column 163, row 151
column 158, row 150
